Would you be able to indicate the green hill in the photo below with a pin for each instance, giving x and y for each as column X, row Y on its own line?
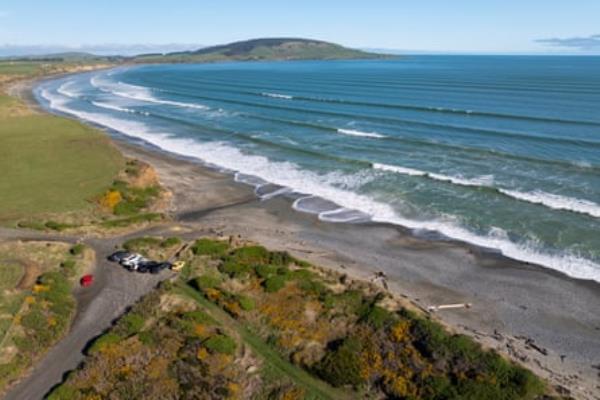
column 263, row 49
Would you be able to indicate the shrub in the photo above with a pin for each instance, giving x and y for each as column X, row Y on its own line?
column 208, row 247
column 280, row 258
column 58, row 226
column 200, row 317
column 170, row 242
column 251, row 255
column 246, row 303
column 111, row 199
column 235, row 269
column 77, row 249
column 341, row 366
column 265, row 271
column 103, row 341
column 221, row 344
column 274, row 283
column 63, row 392
column 378, row 317
column 314, row 287
column 130, row 324
column 207, row 281
column 36, row 225
column 127, row 208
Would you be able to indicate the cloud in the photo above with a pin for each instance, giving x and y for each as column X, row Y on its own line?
column 589, row 43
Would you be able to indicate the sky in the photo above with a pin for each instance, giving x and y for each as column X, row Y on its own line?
column 454, row 26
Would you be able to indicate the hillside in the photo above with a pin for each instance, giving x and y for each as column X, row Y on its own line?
column 263, row 49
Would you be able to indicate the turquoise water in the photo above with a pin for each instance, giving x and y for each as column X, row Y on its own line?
column 502, row 152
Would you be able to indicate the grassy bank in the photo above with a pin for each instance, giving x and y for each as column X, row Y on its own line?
column 245, row 322
column 53, row 164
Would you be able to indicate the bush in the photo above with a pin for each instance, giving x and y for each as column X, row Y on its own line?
column 126, row 208
column 208, row 247
column 170, row 242
column 314, row 287
column 235, row 269
column 265, row 271
column 246, row 303
column 63, row 392
column 280, row 258
column 341, row 366
column 130, row 324
column 274, row 284
column 200, row 317
column 207, row 281
column 103, row 341
column 378, row 317
column 221, row 344
column 141, row 242
column 251, row 255
column 58, row 226
column 77, row 249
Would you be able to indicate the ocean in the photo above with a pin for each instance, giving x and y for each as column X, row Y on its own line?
column 499, row 151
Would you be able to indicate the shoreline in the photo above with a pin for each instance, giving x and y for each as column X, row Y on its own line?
column 510, row 312
column 509, row 304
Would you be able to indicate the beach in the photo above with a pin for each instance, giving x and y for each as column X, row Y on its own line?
column 537, row 316
column 521, row 310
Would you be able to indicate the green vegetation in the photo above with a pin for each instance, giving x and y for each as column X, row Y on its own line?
column 263, row 49
column 220, row 344
column 312, row 336
column 36, row 304
column 10, row 275
column 137, row 219
column 54, row 165
column 208, row 247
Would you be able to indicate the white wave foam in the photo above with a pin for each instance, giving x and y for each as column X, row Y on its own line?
column 139, row 93
column 485, row 180
column 399, row 170
column 556, row 202
column 289, row 175
column 353, row 132
column 277, row 95
column 113, row 107
column 63, row 89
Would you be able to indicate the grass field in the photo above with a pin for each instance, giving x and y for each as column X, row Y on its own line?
column 50, row 164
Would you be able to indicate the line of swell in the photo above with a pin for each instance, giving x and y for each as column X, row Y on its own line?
column 495, row 153
column 459, row 128
column 556, row 202
column 257, row 140
column 411, row 107
column 549, row 200
column 393, row 87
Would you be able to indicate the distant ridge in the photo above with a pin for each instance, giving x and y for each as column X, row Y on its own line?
column 263, row 49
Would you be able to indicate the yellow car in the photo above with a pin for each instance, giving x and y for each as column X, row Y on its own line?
column 178, row 266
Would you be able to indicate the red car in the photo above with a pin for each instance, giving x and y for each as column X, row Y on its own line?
column 87, row 280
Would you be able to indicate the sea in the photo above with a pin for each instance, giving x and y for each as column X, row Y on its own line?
column 502, row 152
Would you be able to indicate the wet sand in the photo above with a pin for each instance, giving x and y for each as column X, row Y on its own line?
column 545, row 320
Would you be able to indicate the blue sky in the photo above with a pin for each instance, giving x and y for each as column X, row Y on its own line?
column 496, row 26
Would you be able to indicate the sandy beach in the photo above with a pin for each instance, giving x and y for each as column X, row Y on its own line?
column 539, row 317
